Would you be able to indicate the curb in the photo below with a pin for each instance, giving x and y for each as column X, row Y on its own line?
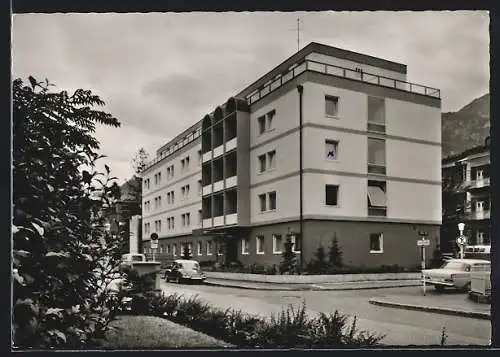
column 307, row 288
column 437, row 310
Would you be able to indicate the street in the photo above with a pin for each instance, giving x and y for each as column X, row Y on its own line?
column 401, row 327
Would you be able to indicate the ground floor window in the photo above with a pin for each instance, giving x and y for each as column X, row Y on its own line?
column 259, row 244
column 209, row 247
column 277, row 244
column 376, row 243
column 200, row 247
column 168, row 249
column 244, row 246
column 174, row 249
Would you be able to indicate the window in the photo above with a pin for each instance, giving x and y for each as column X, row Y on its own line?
column 183, row 165
column 272, row 200
column 173, row 222
column 376, row 243
column 190, row 247
column 188, row 219
column 199, row 248
column 200, row 216
column 331, row 149
column 277, row 244
column 146, row 228
column 244, row 246
column 183, row 219
column 183, row 192
column 159, row 177
column 331, row 106
column 168, row 249
column 187, row 191
column 172, row 195
column 161, row 248
column 331, row 195
column 259, row 244
column 270, row 117
column 168, row 223
column 200, row 188
column 262, row 201
column 262, row 163
column 377, row 199
column 159, row 201
column 479, row 238
column 296, row 244
column 174, row 249
column 262, row 124
column 376, row 114
column 219, row 249
column 376, row 156
column 271, row 155
column 199, row 157
column 187, row 163
column 209, row 247
column 168, row 173
column 479, row 175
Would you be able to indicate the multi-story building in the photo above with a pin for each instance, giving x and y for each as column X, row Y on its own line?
column 328, row 143
column 466, row 197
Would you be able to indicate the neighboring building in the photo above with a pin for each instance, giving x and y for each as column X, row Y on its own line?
column 233, row 184
column 466, row 197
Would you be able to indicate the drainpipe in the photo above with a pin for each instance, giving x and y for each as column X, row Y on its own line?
column 300, row 89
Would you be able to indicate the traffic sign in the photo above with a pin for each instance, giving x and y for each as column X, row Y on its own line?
column 154, row 236
column 423, row 242
column 154, row 244
column 461, row 240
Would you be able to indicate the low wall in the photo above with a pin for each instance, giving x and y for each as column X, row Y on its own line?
column 311, row 279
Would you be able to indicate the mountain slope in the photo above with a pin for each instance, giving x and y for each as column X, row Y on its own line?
column 466, row 128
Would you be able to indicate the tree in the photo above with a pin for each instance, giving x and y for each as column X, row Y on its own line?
column 140, row 161
column 335, row 255
column 186, row 252
column 62, row 257
column 289, row 261
column 319, row 264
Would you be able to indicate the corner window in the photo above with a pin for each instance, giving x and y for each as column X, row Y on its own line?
column 331, row 106
column 259, row 244
column 376, row 156
column 331, row 149
column 244, row 246
column 331, row 195
column 377, row 198
column 376, row 114
column 376, row 243
column 277, row 244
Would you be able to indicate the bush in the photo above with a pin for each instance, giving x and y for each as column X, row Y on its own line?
column 63, row 259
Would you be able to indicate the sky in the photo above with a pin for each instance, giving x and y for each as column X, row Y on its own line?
column 159, row 73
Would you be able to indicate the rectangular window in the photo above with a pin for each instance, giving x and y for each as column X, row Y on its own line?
column 200, row 216
column 159, row 201
column 187, row 163
column 331, row 195
column 270, row 117
column 188, row 219
column 159, row 177
column 183, row 192
column 271, row 155
column 272, row 200
column 199, row 157
column 376, row 243
column 277, row 244
column 168, row 223
column 331, row 149
column 244, row 246
column 296, row 244
column 376, row 156
column 173, row 198
column 377, row 198
column 200, row 188
column 190, row 247
column 262, row 201
column 168, row 198
column 183, row 165
column 174, row 249
column 262, row 163
column 259, row 244
column 168, row 249
column 172, row 171
column 209, row 247
column 168, row 173
column 173, row 222
column 331, row 106
column 262, row 124
column 187, row 191
column 376, row 114
column 199, row 248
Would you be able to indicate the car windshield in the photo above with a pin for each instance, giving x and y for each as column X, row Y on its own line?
column 456, row 266
column 190, row 265
column 137, row 258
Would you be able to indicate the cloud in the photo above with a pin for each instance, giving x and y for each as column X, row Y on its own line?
column 159, row 73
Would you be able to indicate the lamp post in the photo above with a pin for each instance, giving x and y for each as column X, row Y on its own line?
column 461, row 240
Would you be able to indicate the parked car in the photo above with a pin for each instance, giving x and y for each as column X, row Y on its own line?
column 454, row 273
column 130, row 258
column 184, row 270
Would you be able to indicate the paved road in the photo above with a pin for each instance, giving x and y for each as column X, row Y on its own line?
column 401, row 327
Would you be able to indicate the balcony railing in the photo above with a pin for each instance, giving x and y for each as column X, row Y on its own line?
column 478, row 215
column 338, row 71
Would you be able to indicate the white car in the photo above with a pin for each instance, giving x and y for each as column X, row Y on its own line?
column 455, row 273
column 184, row 270
column 130, row 258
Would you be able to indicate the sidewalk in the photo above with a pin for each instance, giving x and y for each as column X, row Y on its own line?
column 445, row 303
column 351, row 285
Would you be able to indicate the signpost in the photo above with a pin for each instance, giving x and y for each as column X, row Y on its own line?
column 154, row 244
column 422, row 243
column 461, row 239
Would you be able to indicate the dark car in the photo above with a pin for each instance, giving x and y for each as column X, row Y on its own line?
column 184, row 270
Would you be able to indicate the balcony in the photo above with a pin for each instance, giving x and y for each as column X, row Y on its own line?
column 218, row 151
column 206, row 156
column 207, row 223
column 485, row 182
column 231, row 144
column 231, row 181
column 232, row 218
column 342, row 72
column 218, row 221
column 477, row 216
column 207, row 190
